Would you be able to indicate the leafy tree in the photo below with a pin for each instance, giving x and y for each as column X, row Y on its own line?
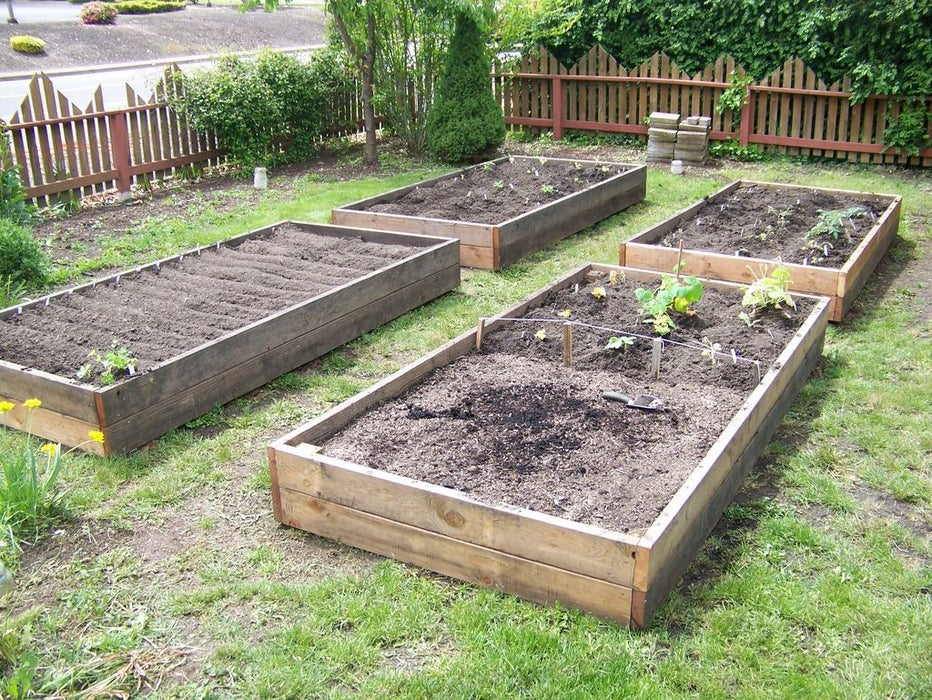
column 465, row 119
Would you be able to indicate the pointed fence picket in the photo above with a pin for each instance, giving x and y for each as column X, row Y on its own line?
column 790, row 110
column 64, row 152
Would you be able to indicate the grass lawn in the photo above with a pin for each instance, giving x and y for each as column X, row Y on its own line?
column 171, row 576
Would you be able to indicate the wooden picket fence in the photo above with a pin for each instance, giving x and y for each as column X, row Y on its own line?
column 790, row 110
column 64, row 151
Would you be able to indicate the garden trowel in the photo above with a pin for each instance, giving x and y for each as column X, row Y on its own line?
column 645, row 402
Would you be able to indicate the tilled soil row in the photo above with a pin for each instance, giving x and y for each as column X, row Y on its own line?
column 157, row 315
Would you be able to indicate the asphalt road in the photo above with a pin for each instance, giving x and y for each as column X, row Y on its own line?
column 37, row 11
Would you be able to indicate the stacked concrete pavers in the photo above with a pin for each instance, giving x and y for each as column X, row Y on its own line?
column 692, row 140
column 661, row 136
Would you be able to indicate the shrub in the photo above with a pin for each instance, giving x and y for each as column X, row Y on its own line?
column 147, row 7
column 13, row 204
column 465, row 119
column 22, row 260
column 264, row 112
column 98, row 13
column 23, row 43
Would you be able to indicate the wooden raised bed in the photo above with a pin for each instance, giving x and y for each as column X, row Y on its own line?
column 139, row 409
column 492, row 247
column 623, row 577
column 840, row 284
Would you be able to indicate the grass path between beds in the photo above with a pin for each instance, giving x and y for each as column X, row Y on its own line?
column 171, row 577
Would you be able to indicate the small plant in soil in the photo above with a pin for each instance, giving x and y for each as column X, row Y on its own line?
column 749, row 322
column 547, row 189
column 615, row 277
column 675, row 295
column 565, row 313
column 831, row 224
column 499, row 184
column 108, row 367
column 711, row 350
column 619, row 342
column 598, row 293
column 541, row 334
column 769, row 292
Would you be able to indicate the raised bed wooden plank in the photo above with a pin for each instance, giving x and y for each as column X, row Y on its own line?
column 385, row 513
column 139, row 409
column 840, row 284
column 452, row 557
column 591, row 551
column 512, row 239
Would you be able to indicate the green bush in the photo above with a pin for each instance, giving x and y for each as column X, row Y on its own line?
column 23, row 43
column 266, row 112
column 22, row 260
column 13, row 204
column 98, row 13
column 147, row 7
column 465, row 120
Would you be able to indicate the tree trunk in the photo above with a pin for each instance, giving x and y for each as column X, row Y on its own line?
column 371, row 155
column 11, row 19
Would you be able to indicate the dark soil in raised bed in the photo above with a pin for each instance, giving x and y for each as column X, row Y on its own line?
column 511, row 425
column 157, row 315
column 496, row 192
column 767, row 222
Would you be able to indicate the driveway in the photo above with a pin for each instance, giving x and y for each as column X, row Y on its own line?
column 38, row 11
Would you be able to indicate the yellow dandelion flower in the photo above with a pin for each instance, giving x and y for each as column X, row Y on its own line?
column 96, row 436
column 6, row 406
column 32, row 403
column 49, row 448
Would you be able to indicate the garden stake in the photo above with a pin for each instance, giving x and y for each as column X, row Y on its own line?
column 480, row 327
column 655, row 357
column 679, row 261
column 568, row 344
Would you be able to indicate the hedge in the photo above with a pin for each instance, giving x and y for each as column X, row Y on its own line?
column 147, row 7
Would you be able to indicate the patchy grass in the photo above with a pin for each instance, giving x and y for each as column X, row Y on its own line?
column 173, row 578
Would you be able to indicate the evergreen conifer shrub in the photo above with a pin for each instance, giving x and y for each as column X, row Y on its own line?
column 465, row 120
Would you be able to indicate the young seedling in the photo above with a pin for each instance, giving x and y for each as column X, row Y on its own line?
column 499, row 184
column 673, row 296
column 541, row 334
column 769, row 291
column 547, row 189
column 619, row 342
column 116, row 363
column 750, row 322
column 711, row 350
column 831, row 224
column 565, row 313
column 598, row 293
column 614, row 277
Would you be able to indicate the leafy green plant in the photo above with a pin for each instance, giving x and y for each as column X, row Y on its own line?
column 13, row 204
column 465, row 119
column 106, row 368
column 908, row 131
column 735, row 95
column 547, row 189
column 24, row 43
column 733, row 150
column 264, row 112
column 769, row 292
column 23, row 263
column 831, row 223
column 673, row 296
column 619, row 342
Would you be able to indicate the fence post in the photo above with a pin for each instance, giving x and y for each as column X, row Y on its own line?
column 747, row 116
column 119, row 143
column 556, row 105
